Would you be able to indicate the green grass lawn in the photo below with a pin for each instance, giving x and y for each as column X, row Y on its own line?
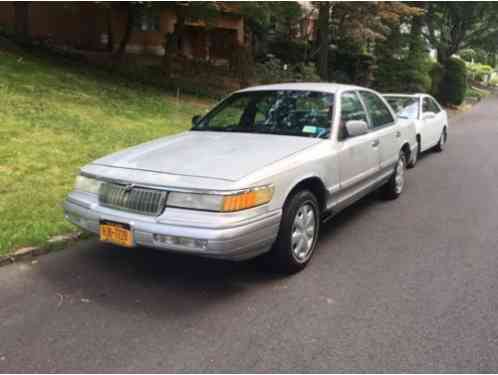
column 56, row 117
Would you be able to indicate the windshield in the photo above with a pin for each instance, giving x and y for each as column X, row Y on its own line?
column 297, row 113
column 405, row 107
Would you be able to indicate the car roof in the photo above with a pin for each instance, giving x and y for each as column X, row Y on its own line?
column 305, row 86
column 418, row 95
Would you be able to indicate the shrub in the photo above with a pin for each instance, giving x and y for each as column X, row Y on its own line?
column 288, row 51
column 479, row 72
column 454, row 83
column 274, row 71
column 406, row 75
column 494, row 81
column 436, row 73
column 242, row 64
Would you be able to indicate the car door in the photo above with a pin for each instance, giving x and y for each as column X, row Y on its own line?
column 439, row 120
column 359, row 156
column 384, row 128
column 430, row 121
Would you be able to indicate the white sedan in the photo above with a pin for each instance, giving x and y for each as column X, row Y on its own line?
column 431, row 120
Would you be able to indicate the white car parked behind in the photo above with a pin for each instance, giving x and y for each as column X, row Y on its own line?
column 431, row 120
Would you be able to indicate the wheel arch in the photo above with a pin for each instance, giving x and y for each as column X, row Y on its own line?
column 313, row 183
column 406, row 150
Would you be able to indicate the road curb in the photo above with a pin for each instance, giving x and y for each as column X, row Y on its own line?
column 32, row 252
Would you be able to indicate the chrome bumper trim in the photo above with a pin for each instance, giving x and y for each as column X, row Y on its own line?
column 241, row 241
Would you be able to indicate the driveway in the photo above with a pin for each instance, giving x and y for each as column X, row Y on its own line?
column 410, row 284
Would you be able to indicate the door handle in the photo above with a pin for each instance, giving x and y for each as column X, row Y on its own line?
column 398, row 134
column 375, row 143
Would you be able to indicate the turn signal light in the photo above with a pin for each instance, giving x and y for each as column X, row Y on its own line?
column 252, row 198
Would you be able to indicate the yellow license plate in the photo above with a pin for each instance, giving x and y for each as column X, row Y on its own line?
column 120, row 234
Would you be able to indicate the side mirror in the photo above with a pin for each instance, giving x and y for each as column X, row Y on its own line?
column 428, row 115
column 356, row 128
column 196, row 119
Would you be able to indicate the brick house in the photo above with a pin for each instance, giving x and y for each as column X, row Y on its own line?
column 86, row 25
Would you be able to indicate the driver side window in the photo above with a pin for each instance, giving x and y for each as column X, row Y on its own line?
column 378, row 111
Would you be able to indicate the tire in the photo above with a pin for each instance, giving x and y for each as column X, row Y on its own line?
column 396, row 183
column 442, row 141
column 415, row 157
column 292, row 255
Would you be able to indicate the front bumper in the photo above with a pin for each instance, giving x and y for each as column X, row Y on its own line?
column 234, row 236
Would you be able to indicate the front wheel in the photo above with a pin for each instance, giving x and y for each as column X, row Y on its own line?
column 298, row 234
column 442, row 141
column 396, row 183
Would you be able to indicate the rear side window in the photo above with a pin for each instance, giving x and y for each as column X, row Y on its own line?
column 380, row 114
column 351, row 108
column 435, row 107
column 426, row 106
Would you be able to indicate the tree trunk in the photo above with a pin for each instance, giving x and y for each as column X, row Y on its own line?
column 110, row 35
column 416, row 43
column 323, row 29
column 179, row 30
column 120, row 52
column 443, row 56
column 21, row 14
column 171, row 47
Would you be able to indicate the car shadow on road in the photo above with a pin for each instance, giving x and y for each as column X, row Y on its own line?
column 165, row 283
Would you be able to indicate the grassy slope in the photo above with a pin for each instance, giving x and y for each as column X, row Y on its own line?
column 56, row 118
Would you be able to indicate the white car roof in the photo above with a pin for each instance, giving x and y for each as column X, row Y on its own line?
column 305, row 86
column 406, row 95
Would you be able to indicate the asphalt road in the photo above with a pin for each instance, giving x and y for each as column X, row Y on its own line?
column 410, row 284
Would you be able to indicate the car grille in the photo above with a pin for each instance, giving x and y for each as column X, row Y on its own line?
column 130, row 198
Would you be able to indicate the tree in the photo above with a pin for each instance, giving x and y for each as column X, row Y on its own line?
column 285, row 16
column 357, row 29
column 323, row 28
column 270, row 21
column 402, row 58
column 362, row 24
column 204, row 11
column 452, row 26
column 131, row 9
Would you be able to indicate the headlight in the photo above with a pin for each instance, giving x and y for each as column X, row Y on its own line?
column 221, row 203
column 195, row 201
column 87, row 184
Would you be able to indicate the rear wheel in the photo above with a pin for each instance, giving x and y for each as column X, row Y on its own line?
column 298, row 234
column 442, row 141
column 396, row 183
column 415, row 156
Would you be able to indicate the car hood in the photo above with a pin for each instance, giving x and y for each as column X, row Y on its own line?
column 219, row 155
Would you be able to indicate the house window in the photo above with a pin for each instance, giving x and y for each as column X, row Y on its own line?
column 147, row 19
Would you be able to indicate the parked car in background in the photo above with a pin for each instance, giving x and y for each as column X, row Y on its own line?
column 431, row 120
column 256, row 174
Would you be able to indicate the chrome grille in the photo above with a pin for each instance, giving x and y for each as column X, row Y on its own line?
column 130, row 198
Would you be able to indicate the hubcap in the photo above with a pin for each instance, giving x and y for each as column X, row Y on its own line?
column 399, row 179
column 303, row 233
